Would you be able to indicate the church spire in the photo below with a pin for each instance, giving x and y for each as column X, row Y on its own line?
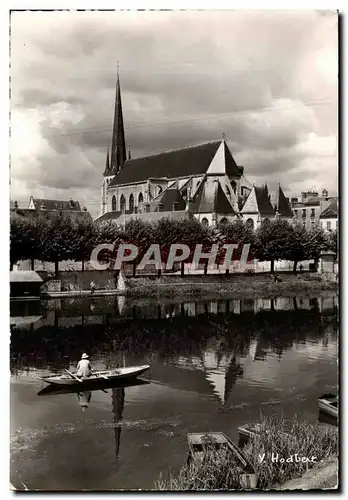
column 118, row 146
column 107, row 164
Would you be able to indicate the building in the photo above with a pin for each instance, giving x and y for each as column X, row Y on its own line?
column 261, row 205
column 25, row 284
column 308, row 209
column 49, row 209
column 257, row 207
column 329, row 216
column 201, row 181
column 54, row 205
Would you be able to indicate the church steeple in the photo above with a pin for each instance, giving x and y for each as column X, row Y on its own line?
column 107, row 165
column 118, row 146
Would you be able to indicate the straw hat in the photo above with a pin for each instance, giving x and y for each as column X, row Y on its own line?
column 84, row 356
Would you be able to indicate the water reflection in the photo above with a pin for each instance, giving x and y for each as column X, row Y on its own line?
column 187, row 345
column 215, row 365
column 72, row 312
column 116, row 393
column 118, row 397
column 84, row 398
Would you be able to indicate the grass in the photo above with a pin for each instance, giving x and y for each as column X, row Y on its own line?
column 286, row 439
column 140, row 287
column 217, row 471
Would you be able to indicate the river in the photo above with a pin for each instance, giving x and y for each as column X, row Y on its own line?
column 215, row 365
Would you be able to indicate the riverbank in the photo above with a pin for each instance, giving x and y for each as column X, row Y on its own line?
column 320, row 477
column 237, row 286
column 285, row 455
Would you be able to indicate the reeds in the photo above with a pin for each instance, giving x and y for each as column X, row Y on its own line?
column 283, row 439
column 216, row 471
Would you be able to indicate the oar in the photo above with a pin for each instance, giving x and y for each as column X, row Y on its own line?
column 72, row 375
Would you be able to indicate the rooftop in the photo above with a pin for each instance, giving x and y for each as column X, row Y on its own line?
column 184, row 162
column 25, row 277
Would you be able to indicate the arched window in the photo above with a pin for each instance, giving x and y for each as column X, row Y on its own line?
column 224, row 220
column 227, row 190
column 250, row 223
column 205, row 222
column 131, row 203
column 158, row 190
column 184, row 193
column 113, row 203
column 140, row 203
column 234, row 186
column 122, row 203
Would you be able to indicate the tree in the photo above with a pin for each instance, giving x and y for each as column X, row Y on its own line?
column 188, row 232
column 297, row 246
column 25, row 238
column 316, row 243
column 141, row 234
column 272, row 241
column 237, row 233
column 59, row 241
column 332, row 241
column 85, row 235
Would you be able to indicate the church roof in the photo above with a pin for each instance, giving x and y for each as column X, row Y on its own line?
column 263, row 202
column 210, row 198
column 283, row 206
column 185, row 162
column 331, row 212
column 258, row 202
column 168, row 198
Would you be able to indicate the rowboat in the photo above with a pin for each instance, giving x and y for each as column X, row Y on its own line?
column 328, row 403
column 55, row 389
column 245, row 432
column 200, row 444
column 98, row 376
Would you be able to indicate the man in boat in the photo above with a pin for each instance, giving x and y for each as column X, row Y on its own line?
column 84, row 369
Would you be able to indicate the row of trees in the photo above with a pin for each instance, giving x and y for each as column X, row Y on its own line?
column 62, row 238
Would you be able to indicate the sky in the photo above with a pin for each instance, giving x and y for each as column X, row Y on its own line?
column 265, row 79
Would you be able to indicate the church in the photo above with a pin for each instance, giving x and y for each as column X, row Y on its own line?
column 202, row 182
